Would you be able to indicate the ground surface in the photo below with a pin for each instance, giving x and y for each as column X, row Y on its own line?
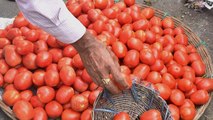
column 200, row 23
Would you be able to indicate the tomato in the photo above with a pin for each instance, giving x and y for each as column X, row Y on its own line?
column 9, row 87
column 4, row 42
column 148, row 12
column 164, row 90
column 189, row 93
column 86, row 93
column 38, row 78
column 125, row 69
column 168, row 22
column 69, row 51
column 87, row 114
column 87, row 6
column 124, row 18
column 199, row 67
column 157, row 66
column 10, row 97
column 67, row 75
column 1, row 54
column 45, row 94
column 3, row 33
column 121, row 116
column 140, row 34
column 75, row 9
column 168, row 31
column 24, row 47
column 53, row 109
column 40, row 45
column 200, row 97
column 12, row 33
column 174, row 112
column 177, row 97
column 131, row 59
column 64, row 94
column 187, row 113
column 191, row 49
column 40, row 114
column 56, row 54
column 154, row 77
column 51, row 78
column 32, row 35
column 205, row 84
column 93, row 95
column 86, row 77
column 188, row 103
column 79, row 85
column 12, row 58
column 52, row 42
column 121, row 5
column 109, row 28
column 150, row 37
column 135, row 15
column 141, row 24
column 127, row 27
column 92, row 87
column 1, row 80
column 157, row 30
column 169, row 80
column 147, row 57
column 26, row 95
column 104, row 39
column 79, row 103
column 181, row 39
column 35, row 102
column 176, row 70
column 129, row 2
column 29, row 61
column 69, row 114
column 185, row 84
column 178, row 30
column 23, row 110
column 158, row 46
column 164, row 70
column 77, row 62
column 93, row 15
column 3, row 67
column 100, row 4
column 194, row 56
column 20, row 21
column 23, row 80
column 156, row 21
column 10, row 75
column 151, row 114
column 134, row 43
column 65, row 61
column 125, row 35
column 189, row 75
column 43, row 59
column 98, row 26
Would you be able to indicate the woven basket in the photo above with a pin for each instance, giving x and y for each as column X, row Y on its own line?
column 135, row 102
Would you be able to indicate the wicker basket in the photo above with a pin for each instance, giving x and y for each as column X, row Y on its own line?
column 135, row 102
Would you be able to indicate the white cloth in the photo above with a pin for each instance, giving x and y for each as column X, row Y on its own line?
column 53, row 17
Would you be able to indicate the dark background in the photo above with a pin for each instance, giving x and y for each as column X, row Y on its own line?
column 200, row 22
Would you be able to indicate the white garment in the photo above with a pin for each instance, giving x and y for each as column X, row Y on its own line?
column 53, row 17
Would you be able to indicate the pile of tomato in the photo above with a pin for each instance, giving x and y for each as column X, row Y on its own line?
column 44, row 78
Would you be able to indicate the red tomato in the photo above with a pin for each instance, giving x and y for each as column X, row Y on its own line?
column 168, row 31
column 168, row 22
column 3, row 67
column 38, row 78
column 35, row 102
column 40, row 114
column 121, row 116
column 140, row 34
column 147, row 57
column 158, row 46
column 124, row 18
column 100, row 4
column 12, row 58
column 9, row 87
column 174, row 112
column 164, row 70
column 86, row 93
column 56, row 54
column 169, row 80
column 135, row 15
column 67, row 75
column 134, row 43
column 98, row 26
column 121, row 5
column 199, row 67
column 26, row 95
column 40, row 45
column 141, row 24
column 177, row 97
column 10, row 75
column 24, row 47
column 125, row 35
column 4, row 42
column 23, row 80
column 151, row 114
column 178, row 30
column 205, row 84
column 125, row 69
column 194, row 56
column 64, row 94
column 32, row 35
column 176, row 70
column 127, row 27
column 87, row 6
column 129, row 2
column 181, row 39
column 69, row 114
column 148, row 12
column 69, row 51
column 93, row 95
column 157, row 30
column 29, row 61
column 157, row 66
column 154, row 77
column 53, row 109
column 200, row 97
column 191, row 49
column 75, row 9
column 93, row 15
column 150, row 37
column 52, row 42
column 131, row 59
column 164, row 90
column 92, row 87
column 43, row 59
column 86, row 77
column 45, row 94
column 1, row 54
column 187, row 113
column 156, row 21
column 10, row 97
column 65, row 61
column 20, row 21
column 77, row 62
column 87, row 114
column 79, row 85
column 188, row 103
column 185, row 84
column 12, row 33
column 51, row 78
column 23, row 110
column 79, row 103
column 189, row 93
column 1, row 80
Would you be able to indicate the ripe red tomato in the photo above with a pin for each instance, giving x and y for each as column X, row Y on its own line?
column 187, row 113
column 10, row 75
column 75, row 9
column 124, row 18
column 98, row 26
column 129, row 2
column 125, row 35
column 141, row 24
column 87, row 114
column 199, row 67
column 45, row 94
column 26, row 95
column 10, row 97
column 79, row 85
column 135, row 15
column 84, row 19
column 134, row 43
column 52, row 42
column 77, row 62
column 4, row 42
column 181, row 57
column 38, row 78
column 29, row 61
column 156, row 21
column 147, row 57
column 65, row 61
column 64, row 94
column 185, row 84
column 200, row 97
column 86, row 6
column 121, row 5
column 69, row 51
column 40, row 114
column 154, row 77
column 189, row 75
column 43, row 59
column 157, row 30
column 93, row 95
column 69, row 114
column 178, row 30
column 11, row 57
column 194, row 56
column 35, row 102
column 140, row 34
column 148, row 12
column 86, row 77
column 131, row 59
column 23, row 110
column 168, row 23
column 177, row 97
column 157, row 66
column 67, row 75
column 169, row 80
column 181, row 39
column 32, row 35
column 79, row 103
column 164, row 90
column 141, row 71
column 174, row 112
column 189, row 93
column 150, row 37
column 100, row 4
column 23, row 80
column 1, row 80
column 40, row 45
column 51, row 78
column 92, row 87
column 9, row 87
column 3, row 66
column 151, row 114
column 56, row 54
column 176, row 70
column 205, row 84
column 12, row 33
column 121, row 116
column 119, row 49
column 20, row 21
column 168, row 31
column 188, row 103
column 93, row 15
column 53, row 109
